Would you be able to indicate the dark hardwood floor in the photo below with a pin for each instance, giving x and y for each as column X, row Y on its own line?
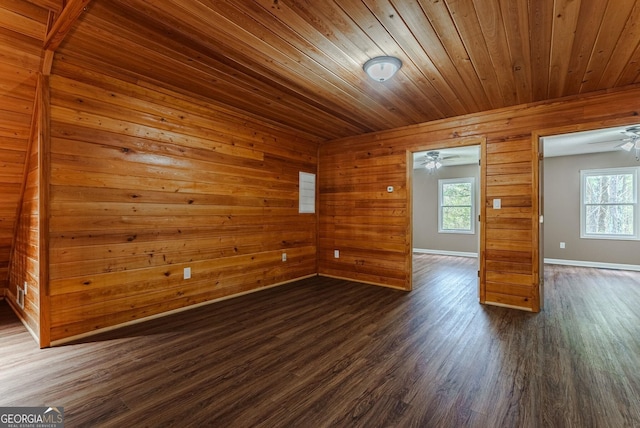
column 325, row 352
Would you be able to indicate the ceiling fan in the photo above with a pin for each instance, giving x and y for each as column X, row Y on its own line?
column 632, row 141
column 433, row 161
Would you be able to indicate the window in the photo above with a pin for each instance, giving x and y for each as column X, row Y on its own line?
column 456, row 202
column 609, row 203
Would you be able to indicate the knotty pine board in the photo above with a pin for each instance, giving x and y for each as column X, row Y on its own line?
column 355, row 172
column 22, row 29
column 142, row 187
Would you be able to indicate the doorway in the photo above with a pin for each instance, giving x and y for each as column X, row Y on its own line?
column 446, row 201
column 571, row 161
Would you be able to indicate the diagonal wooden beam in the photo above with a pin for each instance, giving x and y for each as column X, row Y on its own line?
column 63, row 23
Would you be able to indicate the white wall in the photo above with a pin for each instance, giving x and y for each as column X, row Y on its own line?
column 562, row 211
column 425, row 212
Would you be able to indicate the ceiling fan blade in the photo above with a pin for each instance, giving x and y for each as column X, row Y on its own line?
column 609, row 141
column 626, row 146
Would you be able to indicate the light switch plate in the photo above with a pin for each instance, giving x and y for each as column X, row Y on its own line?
column 497, row 204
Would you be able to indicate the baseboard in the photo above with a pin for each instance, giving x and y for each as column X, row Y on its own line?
column 598, row 265
column 377, row 284
column 18, row 313
column 503, row 305
column 172, row 312
column 445, row 253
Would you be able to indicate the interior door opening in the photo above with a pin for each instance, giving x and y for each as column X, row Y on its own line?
column 446, row 195
column 581, row 180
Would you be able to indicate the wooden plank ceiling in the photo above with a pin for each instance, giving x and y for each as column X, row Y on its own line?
column 299, row 63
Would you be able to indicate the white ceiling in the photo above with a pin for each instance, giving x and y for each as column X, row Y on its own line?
column 577, row 143
column 451, row 157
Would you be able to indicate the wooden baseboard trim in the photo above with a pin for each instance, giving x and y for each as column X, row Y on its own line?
column 502, row 305
column 15, row 310
column 172, row 312
column 377, row 284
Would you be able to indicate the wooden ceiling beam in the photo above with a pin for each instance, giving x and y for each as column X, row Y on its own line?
column 64, row 23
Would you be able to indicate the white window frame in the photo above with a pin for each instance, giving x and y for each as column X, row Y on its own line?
column 441, row 183
column 583, row 206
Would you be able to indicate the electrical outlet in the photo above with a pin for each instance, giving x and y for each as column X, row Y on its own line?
column 20, row 298
column 284, row 257
column 187, row 273
column 562, row 245
column 336, row 254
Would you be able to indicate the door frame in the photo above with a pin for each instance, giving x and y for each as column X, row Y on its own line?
column 480, row 141
column 538, row 185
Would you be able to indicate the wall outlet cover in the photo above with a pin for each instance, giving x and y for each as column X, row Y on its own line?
column 20, row 298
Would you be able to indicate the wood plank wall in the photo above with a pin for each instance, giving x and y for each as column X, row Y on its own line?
column 146, row 182
column 22, row 28
column 25, row 258
column 509, row 251
column 359, row 218
column 367, row 224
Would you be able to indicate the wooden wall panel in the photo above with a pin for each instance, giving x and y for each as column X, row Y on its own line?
column 369, row 230
column 146, row 183
column 25, row 260
column 363, row 221
column 22, row 28
column 509, row 253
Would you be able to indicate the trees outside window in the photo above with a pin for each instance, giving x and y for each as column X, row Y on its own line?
column 609, row 203
column 456, row 202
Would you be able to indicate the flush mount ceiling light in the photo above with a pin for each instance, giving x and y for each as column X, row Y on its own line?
column 382, row 68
